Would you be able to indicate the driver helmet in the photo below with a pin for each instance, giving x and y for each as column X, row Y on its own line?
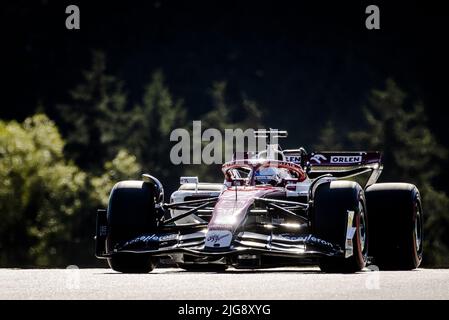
column 268, row 175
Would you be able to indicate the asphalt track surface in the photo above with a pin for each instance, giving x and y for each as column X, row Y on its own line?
column 271, row 284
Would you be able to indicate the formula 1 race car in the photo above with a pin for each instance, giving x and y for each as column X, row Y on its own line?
column 275, row 208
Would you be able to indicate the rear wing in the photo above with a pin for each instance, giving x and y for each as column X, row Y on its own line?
column 343, row 164
column 343, row 159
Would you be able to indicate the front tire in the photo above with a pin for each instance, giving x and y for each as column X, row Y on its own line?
column 132, row 263
column 332, row 201
column 130, row 213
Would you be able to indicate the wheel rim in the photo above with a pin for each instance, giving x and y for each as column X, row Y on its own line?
column 418, row 229
column 362, row 228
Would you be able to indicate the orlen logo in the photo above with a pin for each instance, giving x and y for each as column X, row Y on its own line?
column 294, row 159
column 317, row 158
column 346, row 159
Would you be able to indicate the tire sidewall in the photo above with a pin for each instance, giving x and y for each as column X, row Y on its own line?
column 361, row 256
column 417, row 251
column 332, row 203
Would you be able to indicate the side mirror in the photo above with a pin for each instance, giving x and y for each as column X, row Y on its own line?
column 184, row 180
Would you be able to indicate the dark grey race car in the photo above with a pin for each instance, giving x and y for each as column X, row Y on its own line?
column 277, row 208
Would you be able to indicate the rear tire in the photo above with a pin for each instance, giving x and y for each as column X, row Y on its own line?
column 396, row 236
column 332, row 201
column 130, row 213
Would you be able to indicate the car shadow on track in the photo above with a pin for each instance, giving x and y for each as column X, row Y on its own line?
column 247, row 271
column 296, row 270
column 229, row 271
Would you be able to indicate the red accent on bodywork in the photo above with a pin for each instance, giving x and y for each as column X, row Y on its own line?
column 254, row 165
column 230, row 211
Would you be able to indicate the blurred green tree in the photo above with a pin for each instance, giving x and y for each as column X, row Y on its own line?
column 152, row 121
column 328, row 139
column 402, row 133
column 123, row 167
column 40, row 192
column 96, row 122
column 48, row 204
column 244, row 114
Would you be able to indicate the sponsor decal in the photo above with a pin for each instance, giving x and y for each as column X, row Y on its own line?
column 144, row 239
column 152, row 238
column 215, row 237
column 294, row 159
column 168, row 237
column 318, row 158
column 218, row 239
column 307, row 239
column 346, row 159
column 350, row 230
